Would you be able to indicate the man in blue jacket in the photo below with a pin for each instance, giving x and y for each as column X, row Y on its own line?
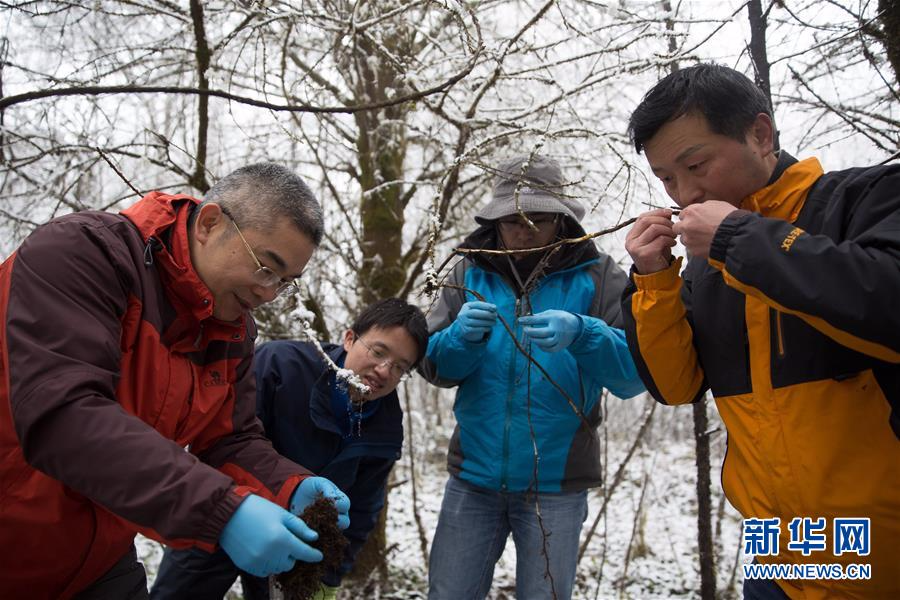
column 525, row 449
column 314, row 422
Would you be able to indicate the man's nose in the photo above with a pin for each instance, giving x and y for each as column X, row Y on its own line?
column 383, row 368
column 524, row 232
column 266, row 293
column 689, row 192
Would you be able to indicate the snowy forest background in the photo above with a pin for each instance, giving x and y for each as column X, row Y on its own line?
column 394, row 111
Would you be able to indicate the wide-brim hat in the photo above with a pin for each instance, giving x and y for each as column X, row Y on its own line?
column 541, row 188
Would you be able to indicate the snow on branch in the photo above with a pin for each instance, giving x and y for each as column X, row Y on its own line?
column 305, row 316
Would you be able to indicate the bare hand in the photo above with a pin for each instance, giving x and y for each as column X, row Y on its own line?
column 650, row 241
column 697, row 225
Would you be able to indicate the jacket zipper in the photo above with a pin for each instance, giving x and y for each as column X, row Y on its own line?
column 779, row 334
column 180, row 427
column 199, row 337
column 510, row 392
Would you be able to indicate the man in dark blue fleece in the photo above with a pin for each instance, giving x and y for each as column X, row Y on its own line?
column 351, row 440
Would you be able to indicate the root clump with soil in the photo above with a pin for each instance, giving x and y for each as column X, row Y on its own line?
column 303, row 581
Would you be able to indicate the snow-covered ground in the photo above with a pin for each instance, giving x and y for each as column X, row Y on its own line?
column 644, row 548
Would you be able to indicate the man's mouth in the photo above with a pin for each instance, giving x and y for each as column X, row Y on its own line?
column 372, row 383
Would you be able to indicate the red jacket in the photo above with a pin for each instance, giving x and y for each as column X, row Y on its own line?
column 125, row 406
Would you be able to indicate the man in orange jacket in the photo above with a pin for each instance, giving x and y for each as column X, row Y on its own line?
column 127, row 396
column 787, row 312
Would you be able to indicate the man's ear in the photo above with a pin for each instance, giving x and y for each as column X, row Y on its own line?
column 349, row 338
column 209, row 218
column 762, row 134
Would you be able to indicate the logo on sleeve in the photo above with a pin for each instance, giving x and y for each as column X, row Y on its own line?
column 789, row 240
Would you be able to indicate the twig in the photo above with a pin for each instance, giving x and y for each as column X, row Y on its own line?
column 890, row 158
column 118, row 172
column 604, row 456
column 556, row 244
column 89, row 90
column 634, row 529
column 617, row 479
column 734, row 566
column 345, row 375
column 545, row 550
column 527, row 354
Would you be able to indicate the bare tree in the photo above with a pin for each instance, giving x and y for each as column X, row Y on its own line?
column 395, row 110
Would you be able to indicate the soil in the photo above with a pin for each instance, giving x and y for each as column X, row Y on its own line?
column 303, row 581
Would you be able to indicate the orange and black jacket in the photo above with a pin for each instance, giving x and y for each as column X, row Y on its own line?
column 125, row 406
column 794, row 325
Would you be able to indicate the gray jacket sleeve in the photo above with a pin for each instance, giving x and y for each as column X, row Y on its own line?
column 610, row 282
column 442, row 314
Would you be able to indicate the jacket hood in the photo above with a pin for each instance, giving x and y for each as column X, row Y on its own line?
column 570, row 255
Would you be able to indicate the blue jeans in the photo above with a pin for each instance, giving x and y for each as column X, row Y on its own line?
column 197, row 575
column 472, row 530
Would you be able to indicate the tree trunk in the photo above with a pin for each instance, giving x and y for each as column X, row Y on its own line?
column 704, row 500
column 381, row 145
column 202, row 53
column 889, row 15
column 704, row 504
column 759, row 53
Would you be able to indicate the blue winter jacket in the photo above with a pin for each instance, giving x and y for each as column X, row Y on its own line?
column 294, row 404
column 498, row 391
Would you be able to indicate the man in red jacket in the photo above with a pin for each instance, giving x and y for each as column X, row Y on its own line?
column 127, row 396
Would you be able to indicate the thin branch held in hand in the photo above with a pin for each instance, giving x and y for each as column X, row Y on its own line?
column 527, row 355
column 556, row 244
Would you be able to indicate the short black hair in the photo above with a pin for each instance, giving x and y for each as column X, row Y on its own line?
column 726, row 98
column 394, row 312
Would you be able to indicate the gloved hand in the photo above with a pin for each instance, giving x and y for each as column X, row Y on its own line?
column 325, row 592
column 311, row 487
column 475, row 320
column 552, row 330
column 264, row 539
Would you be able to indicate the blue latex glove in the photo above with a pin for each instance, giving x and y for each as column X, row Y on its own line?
column 310, row 488
column 552, row 330
column 475, row 320
column 264, row 539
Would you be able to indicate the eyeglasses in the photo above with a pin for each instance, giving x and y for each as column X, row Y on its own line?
column 263, row 275
column 544, row 223
column 397, row 370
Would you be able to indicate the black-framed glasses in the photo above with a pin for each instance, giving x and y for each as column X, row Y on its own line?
column 397, row 370
column 544, row 222
column 263, row 275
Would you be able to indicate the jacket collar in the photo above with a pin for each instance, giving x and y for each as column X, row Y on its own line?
column 320, row 395
column 786, row 192
column 162, row 220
